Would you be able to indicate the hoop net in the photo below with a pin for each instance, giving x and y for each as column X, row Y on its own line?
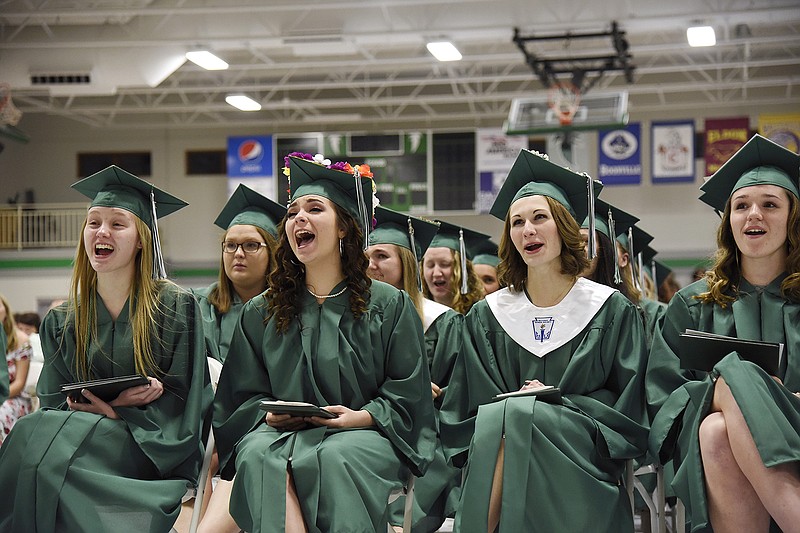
column 564, row 99
column 9, row 114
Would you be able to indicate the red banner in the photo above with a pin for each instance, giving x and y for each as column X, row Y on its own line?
column 723, row 137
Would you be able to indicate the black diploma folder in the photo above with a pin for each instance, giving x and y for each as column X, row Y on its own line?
column 106, row 389
column 547, row 394
column 280, row 407
column 701, row 351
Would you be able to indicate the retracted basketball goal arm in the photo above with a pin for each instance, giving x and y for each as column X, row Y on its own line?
column 548, row 69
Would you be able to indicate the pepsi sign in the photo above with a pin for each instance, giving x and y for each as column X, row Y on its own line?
column 250, row 156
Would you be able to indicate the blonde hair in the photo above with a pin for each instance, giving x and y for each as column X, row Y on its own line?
column 410, row 269
column 10, row 327
column 221, row 296
column 461, row 303
column 626, row 273
column 143, row 305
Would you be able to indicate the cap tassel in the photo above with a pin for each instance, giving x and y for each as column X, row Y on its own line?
column 638, row 281
column 462, row 248
column 414, row 251
column 592, row 242
column 363, row 214
column 613, row 232
column 655, row 273
column 159, row 272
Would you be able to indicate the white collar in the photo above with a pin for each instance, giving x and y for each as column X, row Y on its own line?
column 540, row 330
column 432, row 310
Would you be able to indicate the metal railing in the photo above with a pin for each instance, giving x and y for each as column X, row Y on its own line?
column 26, row 226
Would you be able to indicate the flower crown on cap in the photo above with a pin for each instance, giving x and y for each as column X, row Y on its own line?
column 362, row 171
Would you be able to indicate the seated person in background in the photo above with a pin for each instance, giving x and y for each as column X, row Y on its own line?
column 85, row 464
column 18, row 357
column 447, row 272
column 325, row 334
column 734, row 434
column 554, row 466
column 485, row 262
column 396, row 245
column 248, row 248
column 29, row 323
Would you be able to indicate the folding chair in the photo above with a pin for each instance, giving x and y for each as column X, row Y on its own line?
column 655, row 502
column 214, row 370
column 408, row 508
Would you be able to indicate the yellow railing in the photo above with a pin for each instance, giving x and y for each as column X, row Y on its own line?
column 25, row 226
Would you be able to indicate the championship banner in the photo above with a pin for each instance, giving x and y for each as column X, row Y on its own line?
column 782, row 129
column 250, row 161
column 724, row 136
column 620, row 156
column 495, row 153
column 673, row 151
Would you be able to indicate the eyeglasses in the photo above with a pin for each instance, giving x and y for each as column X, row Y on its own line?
column 249, row 247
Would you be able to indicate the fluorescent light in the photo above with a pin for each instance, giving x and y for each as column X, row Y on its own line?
column 444, row 51
column 701, row 36
column 207, row 60
column 243, row 102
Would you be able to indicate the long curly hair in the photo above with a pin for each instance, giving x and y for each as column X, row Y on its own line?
column 221, row 296
column 287, row 279
column 461, row 303
column 724, row 276
column 513, row 271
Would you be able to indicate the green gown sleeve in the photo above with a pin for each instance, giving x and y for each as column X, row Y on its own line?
column 169, row 430
column 218, row 328
column 442, row 344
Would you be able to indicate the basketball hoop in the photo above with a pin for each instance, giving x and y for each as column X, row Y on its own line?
column 9, row 114
column 564, row 99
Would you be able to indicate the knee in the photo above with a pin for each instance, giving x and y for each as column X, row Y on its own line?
column 713, row 436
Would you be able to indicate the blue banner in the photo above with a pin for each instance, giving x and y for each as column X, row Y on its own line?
column 250, row 157
column 620, row 155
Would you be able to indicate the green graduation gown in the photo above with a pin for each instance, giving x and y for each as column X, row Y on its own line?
column 436, row 493
column 343, row 478
column 679, row 399
column 218, row 328
column 652, row 311
column 4, row 384
column 74, row 471
column 564, row 464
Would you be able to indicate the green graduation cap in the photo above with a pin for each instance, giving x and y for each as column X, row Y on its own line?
column 115, row 187
column 534, row 174
column 412, row 233
column 638, row 236
column 759, row 162
column 486, row 254
column 463, row 240
column 350, row 187
column 247, row 207
column 658, row 271
column 607, row 215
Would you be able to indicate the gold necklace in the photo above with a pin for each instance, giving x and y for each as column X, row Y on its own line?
column 318, row 297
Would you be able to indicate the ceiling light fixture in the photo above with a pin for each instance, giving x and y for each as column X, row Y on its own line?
column 701, row 36
column 206, row 59
column 243, row 102
column 444, row 51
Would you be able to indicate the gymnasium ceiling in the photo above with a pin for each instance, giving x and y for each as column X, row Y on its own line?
column 362, row 64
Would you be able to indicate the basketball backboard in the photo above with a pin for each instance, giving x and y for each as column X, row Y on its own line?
column 533, row 114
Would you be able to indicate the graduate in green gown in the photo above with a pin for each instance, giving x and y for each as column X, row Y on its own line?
column 248, row 250
column 121, row 465
column 248, row 245
column 448, row 276
column 734, row 434
column 485, row 262
column 325, row 334
column 396, row 246
column 634, row 251
column 533, row 465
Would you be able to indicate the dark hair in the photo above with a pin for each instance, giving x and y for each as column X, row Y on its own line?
column 287, row 279
column 512, row 270
column 723, row 277
column 604, row 271
column 30, row 319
